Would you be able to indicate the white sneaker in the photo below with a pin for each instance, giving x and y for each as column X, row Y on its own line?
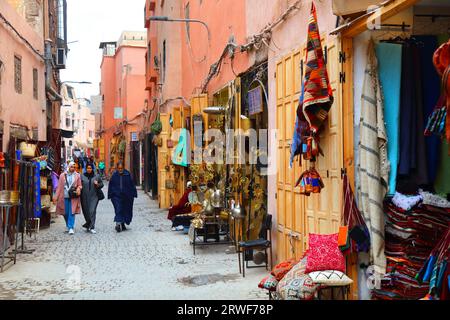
column 71, row 232
column 174, row 229
column 93, row 231
column 180, row 228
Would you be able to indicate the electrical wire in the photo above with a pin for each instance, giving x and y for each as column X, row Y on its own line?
column 21, row 37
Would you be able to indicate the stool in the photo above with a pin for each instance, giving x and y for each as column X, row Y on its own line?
column 344, row 290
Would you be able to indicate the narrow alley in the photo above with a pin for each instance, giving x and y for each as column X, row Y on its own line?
column 148, row 261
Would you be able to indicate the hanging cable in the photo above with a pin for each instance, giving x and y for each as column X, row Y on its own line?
column 29, row 45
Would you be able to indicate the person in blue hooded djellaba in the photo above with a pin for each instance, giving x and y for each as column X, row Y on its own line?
column 122, row 191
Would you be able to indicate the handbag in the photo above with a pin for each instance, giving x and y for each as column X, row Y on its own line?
column 156, row 126
column 344, row 241
column 100, row 194
column 28, row 149
column 72, row 191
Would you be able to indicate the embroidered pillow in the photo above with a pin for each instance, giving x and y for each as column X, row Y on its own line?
column 300, row 288
column 324, row 254
column 296, row 272
column 280, row 270
column 330, row 278
column 268, row 283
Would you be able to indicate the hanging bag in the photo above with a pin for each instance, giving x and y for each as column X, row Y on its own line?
column 156, row 126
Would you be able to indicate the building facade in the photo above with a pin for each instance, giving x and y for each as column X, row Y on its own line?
column 22, row 72
column 33, row 50
column 124, row 97
column 76, row 118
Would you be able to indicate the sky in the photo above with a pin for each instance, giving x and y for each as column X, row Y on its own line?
column 90, row 22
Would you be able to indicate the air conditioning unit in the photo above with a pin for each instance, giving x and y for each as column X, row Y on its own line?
column 61, row 58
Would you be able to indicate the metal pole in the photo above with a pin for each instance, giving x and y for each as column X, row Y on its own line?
column 5, row 235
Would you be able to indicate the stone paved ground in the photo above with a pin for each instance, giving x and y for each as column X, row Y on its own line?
column 147, row 262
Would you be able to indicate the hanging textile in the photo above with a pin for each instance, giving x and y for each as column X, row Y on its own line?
column 431, row 92
column 354, row 221
column 390, row 69
column 37, row 191
column 408, row 116
column 374, row 165
column 317, row 96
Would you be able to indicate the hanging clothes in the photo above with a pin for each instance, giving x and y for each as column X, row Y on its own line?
column 408, row 116
column 37, row 210
column 413, row 172
column 374, row 165
column 431, row 85
column 390, row 69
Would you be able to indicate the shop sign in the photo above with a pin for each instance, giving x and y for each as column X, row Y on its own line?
column 118, row 113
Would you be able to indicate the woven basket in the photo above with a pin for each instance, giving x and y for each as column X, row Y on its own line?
column 28, row 149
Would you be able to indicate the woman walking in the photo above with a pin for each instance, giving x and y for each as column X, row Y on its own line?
column 122, row 191
column 92, row 185
column 67, row 198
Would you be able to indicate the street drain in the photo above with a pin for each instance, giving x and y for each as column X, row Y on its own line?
column 203, row 280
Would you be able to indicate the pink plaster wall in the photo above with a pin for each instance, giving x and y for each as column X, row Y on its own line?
column 122, row 87
column 21, row 108
column 224, row 18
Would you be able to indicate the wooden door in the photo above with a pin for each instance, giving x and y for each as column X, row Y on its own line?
column 323, row 211
column 164, row 161
column 298, row 215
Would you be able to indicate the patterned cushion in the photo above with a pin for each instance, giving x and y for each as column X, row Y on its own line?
column 330, row 278
column 324, row 253
column 280, row 270
column 269, row 283
column 296, row 272
column 299, row 288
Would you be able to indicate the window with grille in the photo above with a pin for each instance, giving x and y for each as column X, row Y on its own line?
column 35, row 84
column 67, row 122
column 18, row 74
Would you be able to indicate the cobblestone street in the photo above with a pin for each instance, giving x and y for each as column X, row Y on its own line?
column 148, row 261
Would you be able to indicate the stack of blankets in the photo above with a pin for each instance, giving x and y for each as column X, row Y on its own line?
column 412, row 231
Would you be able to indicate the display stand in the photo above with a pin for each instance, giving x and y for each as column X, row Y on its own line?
column 211, row 230
column 23, row 249
column 4, row 255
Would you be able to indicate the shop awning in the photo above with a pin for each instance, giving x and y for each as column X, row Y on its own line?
column 386, row 10
column 67, row 134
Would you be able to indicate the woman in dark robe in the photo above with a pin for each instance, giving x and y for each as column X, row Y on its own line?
column 122, row 191
column 89, row 197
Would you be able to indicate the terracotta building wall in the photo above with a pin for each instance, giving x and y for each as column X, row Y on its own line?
column 21, row 108
column 225, row 19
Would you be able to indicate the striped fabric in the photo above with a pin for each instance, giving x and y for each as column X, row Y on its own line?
column 318, row 95
column 374, row 166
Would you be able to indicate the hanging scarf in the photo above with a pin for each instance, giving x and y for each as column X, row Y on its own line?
column 37, row 185
column 317, row 96
column 373, row 168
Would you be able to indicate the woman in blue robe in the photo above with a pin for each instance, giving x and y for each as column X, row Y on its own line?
column 122, row 191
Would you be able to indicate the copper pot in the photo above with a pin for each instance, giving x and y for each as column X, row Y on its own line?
column 15, row 197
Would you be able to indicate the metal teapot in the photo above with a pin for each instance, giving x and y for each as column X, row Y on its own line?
column 216, row 199
column 209, row 209
column 238, row 212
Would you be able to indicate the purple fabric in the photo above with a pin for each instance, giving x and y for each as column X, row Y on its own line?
column 55, row 180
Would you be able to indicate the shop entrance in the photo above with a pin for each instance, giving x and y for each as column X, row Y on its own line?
column 298, row 215
column 151, row 166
